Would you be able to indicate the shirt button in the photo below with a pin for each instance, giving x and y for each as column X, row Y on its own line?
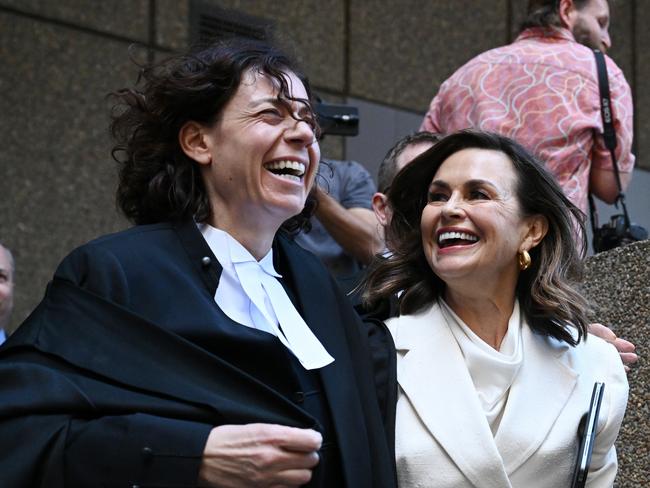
column 205, row 261
column 299, row 397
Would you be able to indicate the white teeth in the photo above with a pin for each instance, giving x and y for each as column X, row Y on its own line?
column 299, row 168
column 290, row 177
column 456, row 235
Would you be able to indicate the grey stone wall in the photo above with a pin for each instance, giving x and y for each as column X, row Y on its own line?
column 618, row 285
column 59, row 59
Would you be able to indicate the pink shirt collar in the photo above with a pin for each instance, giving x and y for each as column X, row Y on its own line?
column 559, row 33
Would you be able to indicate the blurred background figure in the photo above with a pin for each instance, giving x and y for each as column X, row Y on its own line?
column 7, row 274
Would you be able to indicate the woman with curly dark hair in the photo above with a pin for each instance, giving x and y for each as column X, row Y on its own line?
column 493, row 363
column 202, row 346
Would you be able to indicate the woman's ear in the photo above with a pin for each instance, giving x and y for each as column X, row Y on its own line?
column 193, row 141
column 537, row 229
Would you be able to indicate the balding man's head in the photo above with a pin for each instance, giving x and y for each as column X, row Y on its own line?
column 402, row 153
column 6, row 285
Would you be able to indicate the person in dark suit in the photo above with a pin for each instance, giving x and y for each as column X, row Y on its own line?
column 201, row 347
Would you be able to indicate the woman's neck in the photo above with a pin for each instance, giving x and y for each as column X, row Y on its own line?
column 486, row 315
column 256, row 239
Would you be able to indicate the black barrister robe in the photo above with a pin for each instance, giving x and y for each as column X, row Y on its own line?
column 118, row 376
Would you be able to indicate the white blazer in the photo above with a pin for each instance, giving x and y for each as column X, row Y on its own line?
column 443, row 439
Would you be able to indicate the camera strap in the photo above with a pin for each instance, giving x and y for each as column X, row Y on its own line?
column 609, row 135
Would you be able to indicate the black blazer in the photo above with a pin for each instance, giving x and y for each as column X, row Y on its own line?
column 118, row 376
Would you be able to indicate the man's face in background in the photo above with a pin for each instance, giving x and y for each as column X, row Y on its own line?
column 6, row 287
column 591, row 25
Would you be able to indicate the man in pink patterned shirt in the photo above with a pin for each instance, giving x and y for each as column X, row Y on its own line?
column 542, row 90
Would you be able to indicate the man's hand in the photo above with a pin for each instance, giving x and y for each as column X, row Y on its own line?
column 259, row 455
column 625, row 348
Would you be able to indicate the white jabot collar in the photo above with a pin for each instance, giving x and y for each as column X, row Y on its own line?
column 492, row 371
column 249, row 293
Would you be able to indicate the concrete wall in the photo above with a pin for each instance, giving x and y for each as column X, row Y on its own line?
column 618, row 284
column 60, row 59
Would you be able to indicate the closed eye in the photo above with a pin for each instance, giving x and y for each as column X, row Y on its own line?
column 437, row 196
column 271, row 112
column 479, row 195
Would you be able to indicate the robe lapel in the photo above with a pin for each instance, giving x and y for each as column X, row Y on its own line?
column 433, row 375
column 165, row 363
column 342, row 396
column 536, row 399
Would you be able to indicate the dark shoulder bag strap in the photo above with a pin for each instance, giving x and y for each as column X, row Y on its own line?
column 609, row 135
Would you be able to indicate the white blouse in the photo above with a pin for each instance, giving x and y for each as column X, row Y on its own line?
column 492, row 371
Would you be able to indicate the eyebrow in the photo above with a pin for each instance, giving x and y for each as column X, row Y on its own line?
column 261, row 101
column 475, row 182
column 305, row 107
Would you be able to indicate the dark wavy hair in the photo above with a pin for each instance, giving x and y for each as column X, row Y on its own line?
column 157, row 180
column 545, row 13
column 546, row 293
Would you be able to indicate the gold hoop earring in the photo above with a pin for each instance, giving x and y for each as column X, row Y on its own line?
column 524, row 260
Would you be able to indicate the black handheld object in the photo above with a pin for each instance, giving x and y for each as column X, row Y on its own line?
column 587, row 434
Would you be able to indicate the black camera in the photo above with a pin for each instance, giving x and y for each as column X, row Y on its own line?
column 616, row 233
column 337, row 120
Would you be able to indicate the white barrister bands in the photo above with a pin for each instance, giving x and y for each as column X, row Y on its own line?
column 250, row 294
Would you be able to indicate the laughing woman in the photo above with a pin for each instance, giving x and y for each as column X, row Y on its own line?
column 201, row 347
column 494, row 366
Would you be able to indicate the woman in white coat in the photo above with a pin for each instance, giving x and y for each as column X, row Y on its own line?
column 494, row 366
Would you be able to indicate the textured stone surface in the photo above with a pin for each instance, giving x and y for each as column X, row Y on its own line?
column 642, row 92
column 618, row 285
column 57, row 174
column 400, row 52
column 128, row 18
column 311, row 30
column 518, row 11
column 173, row 23
column 622, row 19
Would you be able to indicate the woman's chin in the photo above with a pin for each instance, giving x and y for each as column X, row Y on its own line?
column 286, row 207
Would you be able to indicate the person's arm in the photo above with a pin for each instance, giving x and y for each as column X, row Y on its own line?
column 602, row 183
column 602, row 180
column 355, row 229
column 625, row 348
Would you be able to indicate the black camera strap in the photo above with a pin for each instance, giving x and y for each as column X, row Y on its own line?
column 609, row 135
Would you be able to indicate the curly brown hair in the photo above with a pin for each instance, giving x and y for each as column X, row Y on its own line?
column 546, row 293
column 157, row 180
